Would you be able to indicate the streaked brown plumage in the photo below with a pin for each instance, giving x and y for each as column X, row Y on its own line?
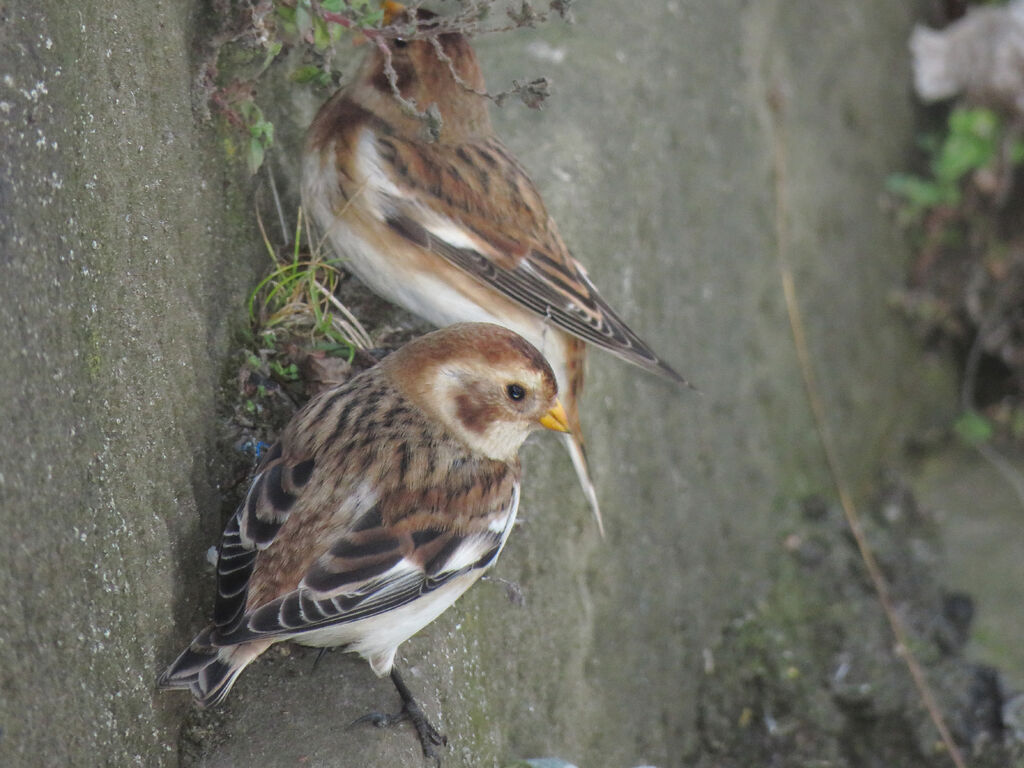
column 453, row 229
column 383, row 501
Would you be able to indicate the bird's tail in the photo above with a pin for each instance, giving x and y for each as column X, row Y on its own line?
column 574, row 358
column 208, row 670
column 578, row 454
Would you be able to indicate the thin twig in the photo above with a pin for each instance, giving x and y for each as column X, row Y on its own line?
column 466, row 22
column 429, row 117
column 442, row 56
column 339, row 221
column 775, row 104
column 533, row 93
column 389, row 69
column 263, row 234
column 277, row 202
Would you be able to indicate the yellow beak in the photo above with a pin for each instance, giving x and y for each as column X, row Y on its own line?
column 555, row 418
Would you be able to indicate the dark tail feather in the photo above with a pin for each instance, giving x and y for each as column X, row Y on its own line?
column 209, row 671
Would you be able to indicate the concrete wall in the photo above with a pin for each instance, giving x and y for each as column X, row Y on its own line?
column 685, row 144
column 126, row 246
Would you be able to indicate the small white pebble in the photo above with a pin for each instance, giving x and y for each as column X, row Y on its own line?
column 543, row 51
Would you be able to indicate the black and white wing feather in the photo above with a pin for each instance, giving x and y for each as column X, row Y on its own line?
column 413, row 575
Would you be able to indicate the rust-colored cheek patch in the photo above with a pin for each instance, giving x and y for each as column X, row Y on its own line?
column 475, row 416
column 405, row 76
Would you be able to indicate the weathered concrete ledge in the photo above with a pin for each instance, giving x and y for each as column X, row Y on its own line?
column 686, row 142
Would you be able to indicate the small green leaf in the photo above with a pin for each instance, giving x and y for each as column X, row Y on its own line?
column 307, row 74
column 371, row 18
column 272, row 51
column 288, row 373
column 264, row 131
column 975, row 121
column 973, row 428
column 972, row 143
column 920, row 193
column 303, row 19
column 256, row 155
column 321, row 37
column 336, row 348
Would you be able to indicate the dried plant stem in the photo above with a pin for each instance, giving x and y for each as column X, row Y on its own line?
column 304, row 298
column 277, row 203
column 899, row 631
column 350, row 326
column 392, row 75
column 466, row 22
column 446, row 59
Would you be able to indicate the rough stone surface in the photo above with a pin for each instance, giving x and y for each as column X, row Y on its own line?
column 687, row 143
column 125, row 246
column 983, row 542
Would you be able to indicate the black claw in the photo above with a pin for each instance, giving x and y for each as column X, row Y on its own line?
column 381, row 719
column 428, row 735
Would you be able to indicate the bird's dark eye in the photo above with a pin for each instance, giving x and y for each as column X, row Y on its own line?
column 515, row 391
column 401, row 42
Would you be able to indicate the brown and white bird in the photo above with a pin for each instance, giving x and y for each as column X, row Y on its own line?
column 451, row 227
column 383, row 501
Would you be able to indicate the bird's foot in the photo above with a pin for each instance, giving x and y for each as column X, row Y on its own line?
column 430, row 738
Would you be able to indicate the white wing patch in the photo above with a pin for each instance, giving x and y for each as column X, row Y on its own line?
column 369, row 164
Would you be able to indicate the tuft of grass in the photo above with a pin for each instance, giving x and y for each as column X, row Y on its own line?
column 295, row 318
column 298, row 299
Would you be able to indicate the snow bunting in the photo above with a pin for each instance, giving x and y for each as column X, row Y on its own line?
column 450, row 226
column 383, row 501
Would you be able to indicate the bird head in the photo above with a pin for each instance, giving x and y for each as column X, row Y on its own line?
column 431, row 65
column 489, row 386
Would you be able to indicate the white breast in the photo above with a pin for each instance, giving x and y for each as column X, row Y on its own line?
column 400, row 280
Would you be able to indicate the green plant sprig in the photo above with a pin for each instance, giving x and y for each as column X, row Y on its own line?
column 973, row 141
column 298, row 296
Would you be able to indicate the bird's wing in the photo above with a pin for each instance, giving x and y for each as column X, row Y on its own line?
column 376, row 568
column 253, row 528
column 474, row 206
